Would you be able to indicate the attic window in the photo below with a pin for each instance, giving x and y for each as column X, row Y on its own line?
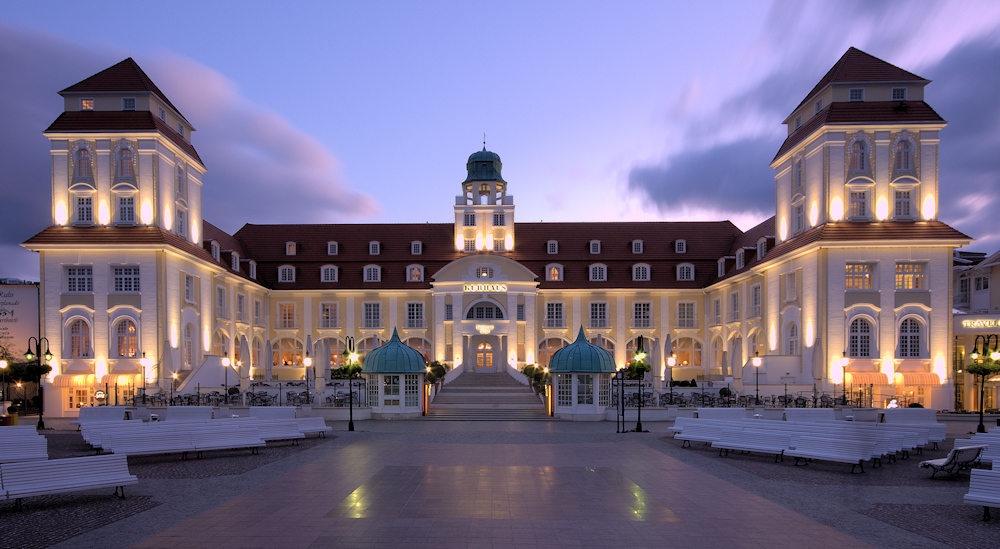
column 215, row 250
column 180, row 129
column 899, row 94
column 857, row 94
column 722, row 266
column 798, row 122
column 761, row 248
column 289, row 248
column 637, row 246
column 680, row 246
column 373, row 248
column 87, row 104
column 595, row 246
column 739, row 259
column 818, row 107
column 161, row 113
column 552, row 246
column 416, row 247
column 332, row 248
column 236, row 261
column 253, row 270
column 128, row 103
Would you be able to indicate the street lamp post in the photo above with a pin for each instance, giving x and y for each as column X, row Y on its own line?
column 3, row 366
column 756, row 365
column 38, row 354
column 173, row 381
column 671, row 362
column 225, row 368
column 844, row 361
column 983, row 370
column 350, row 357
column 308, row 362
column 145, row 363
column 640, row 356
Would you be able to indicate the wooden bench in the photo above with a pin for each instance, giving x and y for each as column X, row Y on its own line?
column 22, row 448
column 958, row 459
column 855, row 452
column 753, row 440
column 984, row 489
column 308, row 425
column 59, row 476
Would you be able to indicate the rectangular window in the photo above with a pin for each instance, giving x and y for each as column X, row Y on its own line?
column 553, row 315
column 755, row 301
column 818, row 106
column 221, row 303
column 982, row 283
column 798, row 122
column 470, row 220
column 584, row 389
column 256, row 311
column 189, row 288
column 903, row 204
column 390, row 390
column 286, row 316
column 963, row 290
column 84, row 209
column 791, row 291
column 373, row 248
column 520, row 313
column 329, row 274
column 373, row 315
column 637, row 246
column 857, row 94
column 564, row 390
column 414, row 315
column 126, row 279
column 595, row 246
column 716, row 312
column 598, row 315
column 328, row 315
column 860, row 276
column 899, row 94
column 181, row 222
column 128, row 103
column 680, row 246
column 416, row 248
column 598, row 273
column 449, row 312
column 553, row 247
column 161, row 113
column 372, row 274
column 412, row 397
column 640, row 273
column 126, row 209
column 734, row 306
column 180, row 129
column 909, row 276
column 87, row 104
column 798, row 218
column 859, row 204
column 642, row 315
column 685, row 315
column 470, row 246
column 499, row 246
column 332, row 248
column 241, row 308
column 498, row 220
column 79, row 279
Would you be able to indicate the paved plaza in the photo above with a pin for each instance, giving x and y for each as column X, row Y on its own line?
column 502, row 484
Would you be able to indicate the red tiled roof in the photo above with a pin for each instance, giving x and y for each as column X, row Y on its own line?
column 862, row 231
column 862, row 112
column 114, row 121
column 125, row 76
column 748, row 242
column 858, row 66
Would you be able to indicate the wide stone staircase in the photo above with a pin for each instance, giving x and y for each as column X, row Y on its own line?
column 486, row 397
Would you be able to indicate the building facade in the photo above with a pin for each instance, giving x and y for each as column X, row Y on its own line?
column 845, row 290
column 976, row 327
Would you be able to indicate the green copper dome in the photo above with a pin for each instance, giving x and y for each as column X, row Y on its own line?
column 394, row 357
column 484, row 166
column 581, row 356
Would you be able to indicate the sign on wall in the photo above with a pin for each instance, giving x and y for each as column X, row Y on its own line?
column 977, row 323
column 18, row 316
column 484, row 288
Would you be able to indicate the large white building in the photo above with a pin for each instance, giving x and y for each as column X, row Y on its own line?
column 853, row 265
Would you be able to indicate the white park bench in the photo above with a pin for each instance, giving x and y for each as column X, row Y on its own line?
column 958, row 459
column 278, row 429
column 700, row 433
column 924, row 417
column 721, row 413
column 991, row 454
column 984, row 489
column 226, row 439
column 753, row 440
column 272, row 412
column 854, row 452
column 22, row 448
column 59, row 476
column 97, row 414
column 151, row 443
column 17, row 431
column 186, row 413
column 809, row 414
column 309, row 425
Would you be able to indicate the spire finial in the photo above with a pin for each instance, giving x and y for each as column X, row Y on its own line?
column 484, row 141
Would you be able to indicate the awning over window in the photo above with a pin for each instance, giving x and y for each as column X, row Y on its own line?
column 73, row 380
column 122, row 379
column 866, row 378
column 912, row 379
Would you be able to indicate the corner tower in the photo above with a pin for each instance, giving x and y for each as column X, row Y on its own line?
column 484, row 212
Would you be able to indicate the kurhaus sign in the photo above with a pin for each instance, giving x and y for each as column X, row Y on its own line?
column 484, row 288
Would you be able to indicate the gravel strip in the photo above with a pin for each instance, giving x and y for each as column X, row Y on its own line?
column 47, row 520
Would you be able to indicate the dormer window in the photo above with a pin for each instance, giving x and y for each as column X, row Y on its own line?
column 798, row 122
column 818, row 106
column 216, row 251
column 286, row 273
column 637, row 246
column 685, row 271
column 328, row 273
column 289, row 248
column 680, row 246
column 739, row 259
column 416, row 247
column 87, row 104
column 374, row 248
column 253, row 270
column 415, row 273
column 640, row 272
column 857, row 94
column 899, row 94
column 761, row 248
column 721, row 267
column 595, row 246
column 553, row 272
column 552, row 246
column 332, row 248
column 161, row 113
column 128, row 103
column 598, row 272
column 236, row 261
column 180, row 129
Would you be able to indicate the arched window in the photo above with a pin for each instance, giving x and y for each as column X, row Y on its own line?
column 553, row 272
column 903, row 155
column 188, row 353
column 547, row 348
column 79, row 339
column 336, row 351
column 287, row 352
column 688, row 352
column 126, row 339
column 858, row 156
column 367, row 344
column 220, row 343
column 484, row 272
column 604, row 343
column 909, row 339
column 756, row 342
column 421, row 345
column 83, row 163
column 685, row 271
column 793, row 339
column 125, row 163
column 717, row 352
column 414, row 273
column 860, row 340
column 286, row 273
column 484, row 311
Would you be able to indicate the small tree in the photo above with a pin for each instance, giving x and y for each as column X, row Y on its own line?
column 538, row 377
column 436, row 372
column 983, row 370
